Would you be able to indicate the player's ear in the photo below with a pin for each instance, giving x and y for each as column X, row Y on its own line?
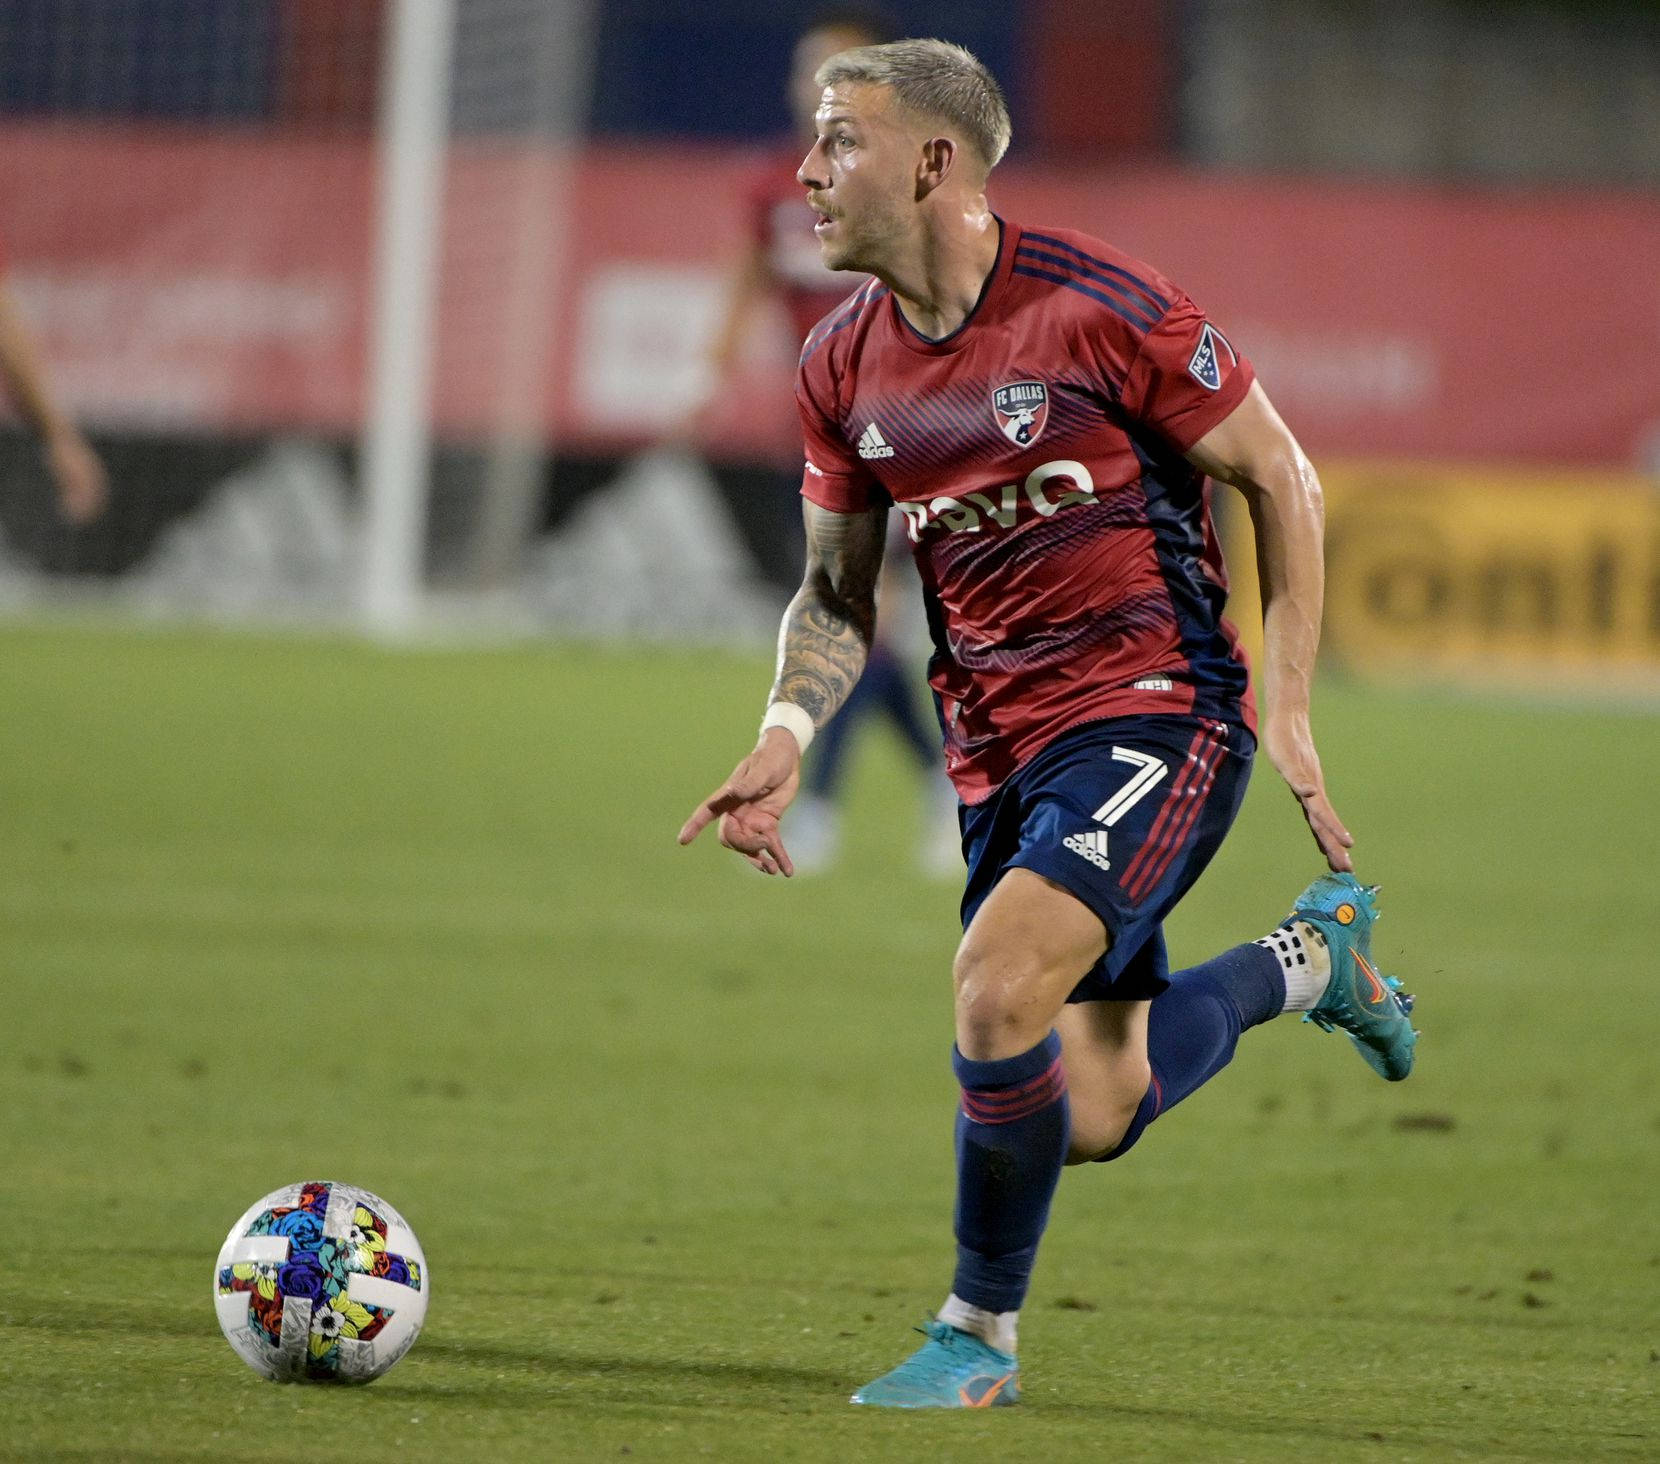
column 935, row 162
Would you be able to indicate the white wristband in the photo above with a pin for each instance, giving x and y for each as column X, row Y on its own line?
column 793, row 719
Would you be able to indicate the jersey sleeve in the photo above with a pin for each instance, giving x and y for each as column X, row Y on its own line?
column 833, row 476
column 1186, row 377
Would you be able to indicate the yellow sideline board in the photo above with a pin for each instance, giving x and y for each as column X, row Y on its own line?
column 1494, row 577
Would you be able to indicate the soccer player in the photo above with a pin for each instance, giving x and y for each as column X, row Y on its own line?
column 1045, row 411
column 77, row 474
column 782, row 260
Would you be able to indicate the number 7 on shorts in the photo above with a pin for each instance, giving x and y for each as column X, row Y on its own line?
column 1149, row 772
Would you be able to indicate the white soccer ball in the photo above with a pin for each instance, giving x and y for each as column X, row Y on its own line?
column 321, row 1283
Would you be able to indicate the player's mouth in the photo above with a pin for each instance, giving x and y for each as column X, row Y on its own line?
column 825, row 217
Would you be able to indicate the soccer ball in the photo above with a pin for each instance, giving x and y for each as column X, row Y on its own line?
column 321, row 1283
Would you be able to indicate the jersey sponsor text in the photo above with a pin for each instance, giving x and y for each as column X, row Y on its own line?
column 1013, row 502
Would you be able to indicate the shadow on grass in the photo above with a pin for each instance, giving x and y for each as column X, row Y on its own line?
column 638, row 1387
column 1343, row 1439
column 38, row 1314
column 621, row 1377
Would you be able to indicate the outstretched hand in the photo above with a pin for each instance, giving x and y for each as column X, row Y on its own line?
column 750, row 803
column 1290, row 747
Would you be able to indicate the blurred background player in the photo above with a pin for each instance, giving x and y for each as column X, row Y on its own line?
column 77, row 474
column 782, row 262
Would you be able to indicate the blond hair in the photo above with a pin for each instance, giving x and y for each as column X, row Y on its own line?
column 934, row 79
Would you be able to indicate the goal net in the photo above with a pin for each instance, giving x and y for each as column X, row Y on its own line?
column 295, row 270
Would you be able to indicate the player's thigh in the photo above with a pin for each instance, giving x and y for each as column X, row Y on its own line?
column 1125, row 814
column 1104, row 1049
column 1027, row 946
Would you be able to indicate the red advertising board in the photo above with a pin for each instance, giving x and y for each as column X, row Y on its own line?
column 216, row 281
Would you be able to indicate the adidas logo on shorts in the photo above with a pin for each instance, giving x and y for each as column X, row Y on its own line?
column 1090, row 845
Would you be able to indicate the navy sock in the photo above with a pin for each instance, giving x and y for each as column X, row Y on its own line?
column 1012, row 1132
column 1193, row 1028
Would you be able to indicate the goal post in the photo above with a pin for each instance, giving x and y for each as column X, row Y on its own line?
column 397, row 433
column 312, row 284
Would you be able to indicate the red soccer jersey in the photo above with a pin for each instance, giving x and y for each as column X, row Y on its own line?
column 1066, row 547
column 781, row 227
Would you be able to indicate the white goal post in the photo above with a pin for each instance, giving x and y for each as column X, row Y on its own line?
column 397, row 435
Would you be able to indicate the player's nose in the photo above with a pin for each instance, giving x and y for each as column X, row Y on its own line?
column 810, row 174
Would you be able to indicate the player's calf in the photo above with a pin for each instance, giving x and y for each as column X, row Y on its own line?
column 1318, row 963
column 1104, row 1045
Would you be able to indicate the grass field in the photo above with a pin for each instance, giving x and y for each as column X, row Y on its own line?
column 675, row 1137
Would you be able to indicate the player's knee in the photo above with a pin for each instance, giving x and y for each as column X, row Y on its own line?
column 998, row 1005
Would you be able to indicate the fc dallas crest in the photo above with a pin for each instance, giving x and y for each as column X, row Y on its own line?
column 1022, row 408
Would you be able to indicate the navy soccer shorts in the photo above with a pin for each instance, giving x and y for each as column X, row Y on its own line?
column 1125, row 814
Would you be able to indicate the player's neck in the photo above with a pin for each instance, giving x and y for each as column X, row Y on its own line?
column 938, row 287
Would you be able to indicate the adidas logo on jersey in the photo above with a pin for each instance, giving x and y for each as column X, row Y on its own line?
column 1090, row 845
column 872, row 444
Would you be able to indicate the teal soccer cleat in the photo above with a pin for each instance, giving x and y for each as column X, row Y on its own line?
column 951, row 1369
column 1371, row 1008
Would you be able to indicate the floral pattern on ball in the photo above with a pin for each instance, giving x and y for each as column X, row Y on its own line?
column 319, row 1269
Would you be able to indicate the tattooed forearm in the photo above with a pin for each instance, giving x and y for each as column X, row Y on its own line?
column 821, row 651
column 828, row 628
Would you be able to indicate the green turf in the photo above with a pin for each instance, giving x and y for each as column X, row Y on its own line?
column 676, row 1138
